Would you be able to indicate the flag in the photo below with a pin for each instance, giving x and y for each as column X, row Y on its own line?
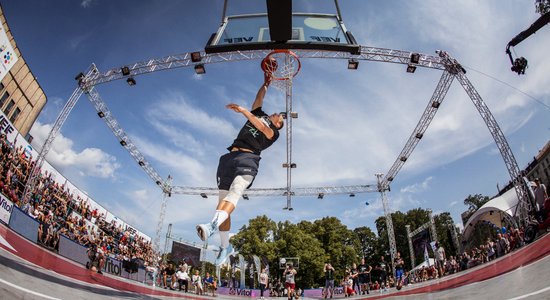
column 426, row 255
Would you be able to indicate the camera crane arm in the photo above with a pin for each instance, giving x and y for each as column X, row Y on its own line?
column 520, row 64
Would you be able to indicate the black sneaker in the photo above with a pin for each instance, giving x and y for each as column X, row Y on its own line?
column 99, row 272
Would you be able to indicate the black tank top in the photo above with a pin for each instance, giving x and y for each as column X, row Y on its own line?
column 251, row 138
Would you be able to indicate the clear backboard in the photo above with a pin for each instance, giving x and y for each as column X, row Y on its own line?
column 309, row 31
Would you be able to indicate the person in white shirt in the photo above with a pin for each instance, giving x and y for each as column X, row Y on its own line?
column 196, row 280
column 183, row 279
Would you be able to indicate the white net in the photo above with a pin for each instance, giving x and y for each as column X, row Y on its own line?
column 282, row 66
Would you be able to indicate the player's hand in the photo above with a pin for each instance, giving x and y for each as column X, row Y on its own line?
column 235, row 107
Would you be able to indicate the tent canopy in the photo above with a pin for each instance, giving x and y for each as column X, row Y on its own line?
column 493, row 211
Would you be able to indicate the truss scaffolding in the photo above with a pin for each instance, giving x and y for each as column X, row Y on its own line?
column 443, row 61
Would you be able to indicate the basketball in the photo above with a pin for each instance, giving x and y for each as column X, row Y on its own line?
column 269, row 64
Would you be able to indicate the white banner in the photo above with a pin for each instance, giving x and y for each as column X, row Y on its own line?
column 7, row 54
column 6, row 207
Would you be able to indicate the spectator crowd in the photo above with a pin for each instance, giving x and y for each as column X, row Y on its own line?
column 59, row 212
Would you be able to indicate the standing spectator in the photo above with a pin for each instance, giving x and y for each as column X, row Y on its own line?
column 364, row 276
column 440, row 259
column 264, row 279
column 382, row 269
column 290, row 280
column 329, row 280
column 399, row 263
column 354, row 277
column 540, row 194
column 502, row 245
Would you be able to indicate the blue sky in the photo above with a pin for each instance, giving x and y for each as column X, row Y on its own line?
column 351, row 125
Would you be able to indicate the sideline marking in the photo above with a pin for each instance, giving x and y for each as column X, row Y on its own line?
column 5, row 243
column 531, row 294
column 27, row 291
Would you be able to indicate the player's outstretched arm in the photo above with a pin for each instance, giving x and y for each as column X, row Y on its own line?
column 261, row 126
column 259, row 101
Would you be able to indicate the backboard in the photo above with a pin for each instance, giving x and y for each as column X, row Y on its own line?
column 309, row 31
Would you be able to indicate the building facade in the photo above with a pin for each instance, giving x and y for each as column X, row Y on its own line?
column 21, row 96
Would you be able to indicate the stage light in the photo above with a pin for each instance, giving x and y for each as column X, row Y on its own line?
column 419, row 135
column 101, row 114
column 415, row 58
column 403, row 158
column 321, row 195
column 196, row 56
column 131, row 81
column 294, row 115
column 352, row 195
column 79, row 77
column 436, row 104
column 141, row 163
column 123, row 143
column 158, row 182
column 353, row 64
column 245, row 197
column 204, row 195
column 199, row 69
column 411, row 68
column 125, row 71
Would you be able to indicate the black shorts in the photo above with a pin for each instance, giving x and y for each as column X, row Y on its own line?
column 236, row 163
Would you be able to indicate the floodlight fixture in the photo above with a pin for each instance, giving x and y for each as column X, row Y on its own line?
column 204, row 195
column 352, row 195
column 353, row 64
column 436, row 104
column 123, row 143
column 79, row 77
column 403, row 158
column 415, row 58
column 141, row 163
column 411, row 68
column 125, row 71
column 101, row 114
column 321, row 195
column 199, row 69
column 419, row 135
column 245, row 197
column 158, row 182
column 196, row 56
column 294, row 115
column 131, row 81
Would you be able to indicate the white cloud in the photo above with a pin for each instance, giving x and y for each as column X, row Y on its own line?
column 418, row 187
column 453, row 203
column 86, row 3
column 90, row 161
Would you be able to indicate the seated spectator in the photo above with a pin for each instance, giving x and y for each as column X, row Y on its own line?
column 169, row 272
column 96, row 257
column 210, row 283
column 197, row 283
column 183, row 279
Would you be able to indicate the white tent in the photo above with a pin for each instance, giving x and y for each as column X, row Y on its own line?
column 493, row 211
column 425, row 264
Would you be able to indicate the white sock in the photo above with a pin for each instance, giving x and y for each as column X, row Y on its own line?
column 219, row 217
column 224, row 239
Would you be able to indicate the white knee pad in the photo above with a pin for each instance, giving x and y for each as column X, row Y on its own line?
column 239, row 184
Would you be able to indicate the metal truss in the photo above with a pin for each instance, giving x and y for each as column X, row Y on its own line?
column 185, row 60
column 269, row 192
column 417, row 134
column 450, row 67
column 124, row 140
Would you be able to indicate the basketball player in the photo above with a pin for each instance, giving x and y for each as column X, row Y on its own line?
column 237, row 169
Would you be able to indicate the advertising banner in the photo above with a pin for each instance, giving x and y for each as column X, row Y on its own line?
column 6, row 207
column 7, row 54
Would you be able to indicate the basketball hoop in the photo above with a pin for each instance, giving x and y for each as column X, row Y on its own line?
column 282, row 65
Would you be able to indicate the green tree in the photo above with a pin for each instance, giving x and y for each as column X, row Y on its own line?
column 368, row 242
column 292, row 241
